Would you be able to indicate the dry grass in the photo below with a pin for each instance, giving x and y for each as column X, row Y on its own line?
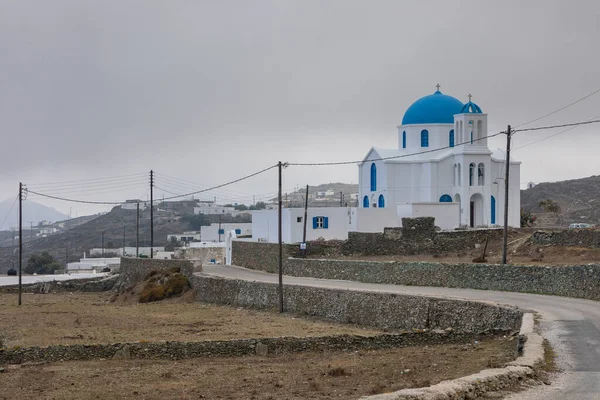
column 78, row 318
column 311, row 375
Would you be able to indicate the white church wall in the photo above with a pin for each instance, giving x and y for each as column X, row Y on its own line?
column 446, row 214
column 375, row 219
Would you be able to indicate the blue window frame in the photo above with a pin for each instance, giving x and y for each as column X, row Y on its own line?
column 373, row 177
column 238, row 231
column 366, row 202
column 451, row 138
column 424, row 138
column 221, row 231
column 381, row 201
column 493, row 210
column 320, row 223
column 446, row 199
column 404, row 139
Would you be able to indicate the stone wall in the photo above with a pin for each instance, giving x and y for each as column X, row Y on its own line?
column 201, row 255
column 257, row 255
column 74, row 285
column 567, row 237
column 581, row 281
column 134, row 270
column 236, row 347
column 381, row 310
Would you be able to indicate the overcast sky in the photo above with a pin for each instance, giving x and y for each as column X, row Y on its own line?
column 208, row 91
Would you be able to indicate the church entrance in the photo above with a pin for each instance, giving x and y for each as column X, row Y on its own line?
column 476, row 217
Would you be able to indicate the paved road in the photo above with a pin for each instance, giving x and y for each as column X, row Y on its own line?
column 26, row 279
column 571, row 325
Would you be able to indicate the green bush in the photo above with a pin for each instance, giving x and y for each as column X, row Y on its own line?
column 176, row 284
column 152, row 292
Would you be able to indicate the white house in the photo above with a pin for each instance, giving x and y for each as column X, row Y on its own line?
column 129, row 251
column 184, row 237
column 216, row 232
column 93, row 264
column 132, row 205
column 211, row 208
column 322, row 222
column 442, row 167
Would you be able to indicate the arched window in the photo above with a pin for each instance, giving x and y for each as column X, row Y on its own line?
column 455, row 174
column 366, row 202
column 404, row 139
column 480, row 174
column 381, row 201
column 424, row 138
column 373, row 177
column 471, row 174
column 446, row 199
column 493, row 210
column 479, row 129
column 471, row 139
column 451, row 138
column 459, row 175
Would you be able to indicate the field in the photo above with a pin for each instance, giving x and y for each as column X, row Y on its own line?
column 75, row 318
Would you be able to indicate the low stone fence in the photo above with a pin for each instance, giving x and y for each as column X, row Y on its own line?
column 134, row 270
column 73, row 285
column 381, row 310
column 236, row 347
column 567, row 237
column 582, row 281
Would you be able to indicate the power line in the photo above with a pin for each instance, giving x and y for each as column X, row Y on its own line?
column 9, row 211
column 551, row 136
column 560, row 109
column 88, row 180
column 399, row 156
column 224, row 184
column 74, row 200
column 558, row 126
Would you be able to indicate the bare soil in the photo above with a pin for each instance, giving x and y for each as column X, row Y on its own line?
column 311, row 375
column 80, row 318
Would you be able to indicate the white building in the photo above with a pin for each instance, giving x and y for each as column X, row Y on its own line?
column 185, row 237
column 132, row 205
column 323, row 222
column 93, row 264
column 464, row 177
column 214, row 233
column 129, row 251
column 210, row 208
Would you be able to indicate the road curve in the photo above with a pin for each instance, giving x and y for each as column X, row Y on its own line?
column 571, row 325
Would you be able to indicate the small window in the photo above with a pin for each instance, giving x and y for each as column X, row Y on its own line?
column 221, row 231
column 365, row 202
column 424, row 138
column 238, row 231
column 403, row 139
column 320, row 223
column 471, row 174
column 299, row 219
column 451, row 138
column 373, row 177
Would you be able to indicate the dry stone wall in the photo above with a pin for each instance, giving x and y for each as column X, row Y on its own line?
column 570, row 237
column 581, row 281
column 134, row 270
column 381, row 310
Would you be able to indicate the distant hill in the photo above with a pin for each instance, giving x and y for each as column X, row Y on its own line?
column 32, row 211
column 579, row 200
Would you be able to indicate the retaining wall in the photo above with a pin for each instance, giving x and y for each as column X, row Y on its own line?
column 582, row 281
column 567, row 237
column 381, row 310
column 226, row 348
column 134, row 270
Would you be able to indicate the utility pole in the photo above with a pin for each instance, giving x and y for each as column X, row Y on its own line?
column 341, row 199
column 102, row 244
column 506, row 185
column 279, row 228
column 20, row 239
column 305, row 218
column 123, row 253
column 137, row 232
column 219, row 231
column 151, row 214
column 67, row 250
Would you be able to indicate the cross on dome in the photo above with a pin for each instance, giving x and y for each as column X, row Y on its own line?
column 438, row 87
column 470, row 95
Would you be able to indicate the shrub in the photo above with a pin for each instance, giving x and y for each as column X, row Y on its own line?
column 151, row 274
column 175, row 270
column 152, row 292
column 176, row 284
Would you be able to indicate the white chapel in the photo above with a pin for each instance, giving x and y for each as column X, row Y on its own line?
column 442, row 167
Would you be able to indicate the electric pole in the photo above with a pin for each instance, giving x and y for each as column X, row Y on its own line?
column 506, row 185
column 20, row 239
column 219, row 232
column 280, row 166
column 305, row 218
column 123, row 253
column 102, row 244
column 137, row 231
column 151, row 214
column 341, row 199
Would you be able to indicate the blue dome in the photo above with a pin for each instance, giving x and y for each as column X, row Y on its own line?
column 470, row 108
column 436, row 108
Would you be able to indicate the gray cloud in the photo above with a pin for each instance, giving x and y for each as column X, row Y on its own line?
column 209, row 91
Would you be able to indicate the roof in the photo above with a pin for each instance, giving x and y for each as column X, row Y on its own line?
column 437, row 108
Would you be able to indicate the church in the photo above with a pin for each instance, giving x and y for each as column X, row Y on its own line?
column 442, row 168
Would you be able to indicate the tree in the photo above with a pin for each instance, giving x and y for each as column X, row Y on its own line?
column 195, row 221
column 261, row 205
column 527, row 218
column 42, row 263
column 552, row 207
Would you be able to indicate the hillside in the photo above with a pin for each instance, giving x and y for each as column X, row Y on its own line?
column 579, row 200
column 34, row 212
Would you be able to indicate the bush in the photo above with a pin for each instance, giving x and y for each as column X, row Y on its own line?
column 161, row 285
column 176, row 284
column 152, row 292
